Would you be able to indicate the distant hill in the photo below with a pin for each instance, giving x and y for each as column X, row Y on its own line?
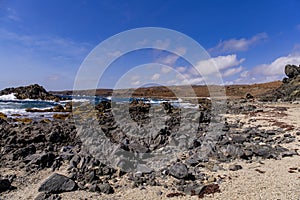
column 232, row 91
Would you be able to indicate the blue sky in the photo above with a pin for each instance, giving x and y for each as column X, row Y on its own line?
column 45, row 42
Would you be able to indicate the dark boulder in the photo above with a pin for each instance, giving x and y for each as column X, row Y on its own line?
column 57, row 183
column 4, row 185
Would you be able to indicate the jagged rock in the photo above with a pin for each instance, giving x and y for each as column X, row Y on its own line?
column 57, row 183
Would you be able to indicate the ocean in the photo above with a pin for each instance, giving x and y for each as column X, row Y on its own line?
column 13, row 107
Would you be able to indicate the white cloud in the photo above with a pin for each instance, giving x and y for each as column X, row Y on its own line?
column 162, row 44
column 168, row 60
column 268, row 72
column 155, row 77
column 193, row 81
column 276, row 68
column 165, row 70
column 244, row 74
column 180, row 51
column 181, row 69
column 232, row 71
column 135, row 83
column 216, row 64
column 235, row 45
column 114, row 54
column 135, row 78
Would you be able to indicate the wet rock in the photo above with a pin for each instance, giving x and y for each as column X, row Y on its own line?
column 57, row 183
column 179, row 170
column 61, row 116
column 58, row 108
column 3, row 116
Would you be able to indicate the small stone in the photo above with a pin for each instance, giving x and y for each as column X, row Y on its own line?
column 159, row 193
column 211, row 179
column 45, row 196
column 235, row 167
column 193, row 189
column 94, row 188
column 179, row 170
column 106, row 188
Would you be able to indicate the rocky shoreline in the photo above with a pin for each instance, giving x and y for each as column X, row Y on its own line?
column 36, row 146
column 208, row 141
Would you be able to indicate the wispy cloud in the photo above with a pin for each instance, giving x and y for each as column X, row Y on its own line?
column 236, row 45
column 12, row 15
column 171, row 58
column 56, row 45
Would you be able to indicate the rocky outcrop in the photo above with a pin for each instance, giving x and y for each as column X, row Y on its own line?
column 292, row 71
column 290, row 89
column 30, row 92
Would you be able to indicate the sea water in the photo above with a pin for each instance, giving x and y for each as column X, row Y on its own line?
column 14, row 107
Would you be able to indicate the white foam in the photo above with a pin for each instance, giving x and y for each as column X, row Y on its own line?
column 10, row 111
column 80, row 100
column 8, row 97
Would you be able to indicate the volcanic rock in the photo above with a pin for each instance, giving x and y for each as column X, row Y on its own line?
column 4, row 185
column 179, row 170
column 30, row 92
column 292, row 71
column 290, row 89
column 57, row 183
